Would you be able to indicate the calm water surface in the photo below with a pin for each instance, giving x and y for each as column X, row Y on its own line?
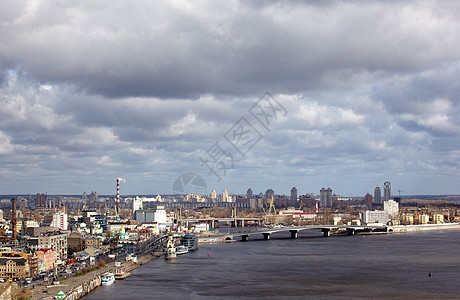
column 364, row 266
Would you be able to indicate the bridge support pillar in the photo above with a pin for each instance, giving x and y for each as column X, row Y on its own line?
column 351, row 232
column 294, row 234
column 244, row 238
column 266, row 235
column 326, row 232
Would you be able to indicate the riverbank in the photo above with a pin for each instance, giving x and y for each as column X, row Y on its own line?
column 425, row 227
column 76, row 287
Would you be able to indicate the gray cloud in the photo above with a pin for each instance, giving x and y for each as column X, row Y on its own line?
column 96, row 90
column 170, row 50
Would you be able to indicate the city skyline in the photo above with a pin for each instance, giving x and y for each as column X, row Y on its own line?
column 360, row 94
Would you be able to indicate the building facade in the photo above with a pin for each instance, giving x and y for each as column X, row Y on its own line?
column 386, row 191
column 374, row 216
column 75, row 242
column 377, row 196
column 60, row 221
column 41, row 200
column 293, row 197
column 14, row 265
column 269, row 194
column 368, row 200
column 137, row 204
column 249, row 195
column 92, row 241
column 55, row 240
column 392, row 207
column 329, row 197
column 45, row 259
column 322, row 198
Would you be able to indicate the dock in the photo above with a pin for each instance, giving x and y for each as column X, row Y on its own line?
column 76, row 287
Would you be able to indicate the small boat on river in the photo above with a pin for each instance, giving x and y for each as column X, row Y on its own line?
column 121, row 274
column 181, row 249
column 108, row 278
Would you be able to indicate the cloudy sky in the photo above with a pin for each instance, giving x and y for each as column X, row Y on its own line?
column 362, row 92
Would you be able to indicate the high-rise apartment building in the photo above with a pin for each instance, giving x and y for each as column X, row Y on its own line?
column 137, row 204
column 325, row 197
column 225, row 196
column 329, row 197
column 93, row 197
column 269, row 194
column 368, row 200
column 322, row 198
column 294, row 197
column 59, row 221
column 386, row 191
column 249, row 194
column 392, row 207
column 41, row 200
column 377, row 195
column 84, row 197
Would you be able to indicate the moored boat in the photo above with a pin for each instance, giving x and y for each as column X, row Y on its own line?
column 108, row 278
column 189, row 241
column 122, row 275
column 181, row 249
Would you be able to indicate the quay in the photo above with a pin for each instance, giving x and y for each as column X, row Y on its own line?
column 76, row 287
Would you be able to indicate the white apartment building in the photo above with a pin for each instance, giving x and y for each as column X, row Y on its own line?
column 392, row 207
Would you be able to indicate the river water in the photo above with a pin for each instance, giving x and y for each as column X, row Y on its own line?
column 364, row 266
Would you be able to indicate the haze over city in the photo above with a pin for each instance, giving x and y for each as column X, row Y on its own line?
column 365, row 92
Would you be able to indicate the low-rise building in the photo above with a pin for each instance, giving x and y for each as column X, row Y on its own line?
column 424, row 219
column 92, row 241
column 33, row 264
column 374, row 216
column 408, row 219
column 14, row 265
column 438, row 218
column 75, row 242
column 46, row 259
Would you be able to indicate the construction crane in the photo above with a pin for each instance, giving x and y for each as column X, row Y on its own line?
column 116, row 213
column 270, row 207
column 99, row 210
column 399, row 192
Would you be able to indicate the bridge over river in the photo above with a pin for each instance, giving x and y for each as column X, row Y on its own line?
column 326, row 230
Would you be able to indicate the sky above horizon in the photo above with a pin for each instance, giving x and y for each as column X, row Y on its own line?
column 232, row 94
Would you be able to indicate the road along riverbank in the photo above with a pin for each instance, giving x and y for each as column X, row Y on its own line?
column 76, row 287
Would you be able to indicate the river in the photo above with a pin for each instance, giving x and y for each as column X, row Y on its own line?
column 363, row 266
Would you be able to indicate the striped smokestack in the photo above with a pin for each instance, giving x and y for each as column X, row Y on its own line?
column 118, row 191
